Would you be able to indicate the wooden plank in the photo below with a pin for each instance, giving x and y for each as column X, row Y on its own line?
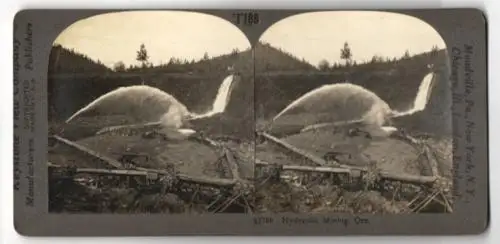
column 231, row 162
column 295, row 150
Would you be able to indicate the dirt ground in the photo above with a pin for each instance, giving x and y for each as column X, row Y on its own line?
column 316, row 194
column 320, row 195
column 390, row 154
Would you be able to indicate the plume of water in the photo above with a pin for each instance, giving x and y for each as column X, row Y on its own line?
column 347, row 104
column 332, row 104
column 148, row 107
column 139, row 102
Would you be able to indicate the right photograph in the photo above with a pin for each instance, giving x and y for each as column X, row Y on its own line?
column 353, row 115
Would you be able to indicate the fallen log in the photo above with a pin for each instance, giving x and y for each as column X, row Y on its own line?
column 406, row 178
column 433, row 164
column 149, row 173
column 317, row 169
column 219, row 182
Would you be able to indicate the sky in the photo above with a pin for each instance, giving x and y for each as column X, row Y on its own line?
column 117, row 36
column 321, row 35
column 313, row 36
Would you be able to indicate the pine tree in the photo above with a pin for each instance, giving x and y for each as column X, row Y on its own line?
column 142, row 55
column 346, row 54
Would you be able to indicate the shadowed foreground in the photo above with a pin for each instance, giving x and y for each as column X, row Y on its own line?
column 266, row 178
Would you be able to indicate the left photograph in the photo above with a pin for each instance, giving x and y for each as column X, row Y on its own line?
column 151, row 112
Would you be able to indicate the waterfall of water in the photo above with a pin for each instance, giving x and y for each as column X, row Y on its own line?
column 422, row 97
column 222, row 99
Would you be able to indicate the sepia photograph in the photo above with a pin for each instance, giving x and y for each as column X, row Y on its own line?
column 353, row 115
column 329, row 112
column 151, row 112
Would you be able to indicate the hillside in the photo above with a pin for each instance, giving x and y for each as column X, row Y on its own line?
column 396, row 81
column 269, row 58
column 240, row 60
column 279, row 79
column 77, row 77
column 63, row 60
